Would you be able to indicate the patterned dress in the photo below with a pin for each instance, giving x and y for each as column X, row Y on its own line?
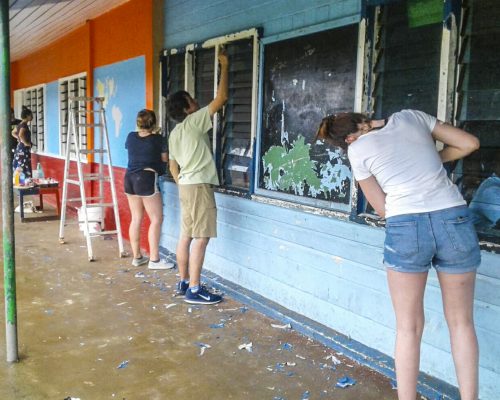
column 22, row 154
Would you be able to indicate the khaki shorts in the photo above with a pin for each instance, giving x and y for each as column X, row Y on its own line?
column 198, row 211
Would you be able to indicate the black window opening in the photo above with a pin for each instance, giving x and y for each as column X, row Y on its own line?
column 234, row 155
column 204, row 67
column 407, row 48
column 478, row 112
column 305, row 79
column 405, row 61
column 34, row 100
column 68, row 88
column 173, row 80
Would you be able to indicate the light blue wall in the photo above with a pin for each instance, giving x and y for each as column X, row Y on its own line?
column 189, row 21
column 52, row 118
column 123, row 84
column 323, row 268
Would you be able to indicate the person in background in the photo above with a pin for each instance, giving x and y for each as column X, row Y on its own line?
column 193, row 169
column 147, row 157
column 401, row 173
column 13, row 126
column 22, row 154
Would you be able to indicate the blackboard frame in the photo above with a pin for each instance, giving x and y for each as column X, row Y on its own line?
column 345, row 210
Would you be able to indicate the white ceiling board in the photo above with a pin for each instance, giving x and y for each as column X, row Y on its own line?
column 34, row 24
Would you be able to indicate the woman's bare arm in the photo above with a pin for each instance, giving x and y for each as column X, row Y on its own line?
column 459, row 143
column 374, row 194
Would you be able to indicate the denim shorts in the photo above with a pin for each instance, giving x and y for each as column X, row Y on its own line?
column 445, row 239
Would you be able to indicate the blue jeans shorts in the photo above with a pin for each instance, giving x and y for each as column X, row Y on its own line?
column 445, row 239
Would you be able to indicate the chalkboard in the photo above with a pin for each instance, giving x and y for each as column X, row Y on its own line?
column 305, row 79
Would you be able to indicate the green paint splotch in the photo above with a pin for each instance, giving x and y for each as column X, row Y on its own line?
column 291, row 169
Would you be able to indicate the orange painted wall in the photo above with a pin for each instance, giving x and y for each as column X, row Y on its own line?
column 122, row 33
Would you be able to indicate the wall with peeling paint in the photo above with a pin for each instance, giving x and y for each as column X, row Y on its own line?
column 325, row 268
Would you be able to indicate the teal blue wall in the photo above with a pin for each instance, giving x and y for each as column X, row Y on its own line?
column 321, row 267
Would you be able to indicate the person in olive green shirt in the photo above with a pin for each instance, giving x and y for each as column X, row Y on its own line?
column 193, row 168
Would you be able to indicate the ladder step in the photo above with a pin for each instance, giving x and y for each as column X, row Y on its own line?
column 85, row 98
column 93, row 151
column 88, row 177
column 97, row 205
column 89, row 125
column 73, row 182
column 87, row 111
column 79, row 199
column 101, row 233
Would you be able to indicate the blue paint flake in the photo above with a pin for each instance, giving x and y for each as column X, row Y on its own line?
column 287, row 346
column 123, row 364
column 305, row 395
column 217, row 326
column 345, row 382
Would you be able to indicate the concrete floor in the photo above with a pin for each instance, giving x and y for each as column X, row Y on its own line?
column 78, row 321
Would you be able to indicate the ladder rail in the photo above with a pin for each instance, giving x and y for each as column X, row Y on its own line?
column 113, row 187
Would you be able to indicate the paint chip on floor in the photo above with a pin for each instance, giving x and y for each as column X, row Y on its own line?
column 285, row 326
column 123, row 364
column 246, row 346
column 345, row 381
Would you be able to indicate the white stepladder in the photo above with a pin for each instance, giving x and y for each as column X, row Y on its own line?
column 79, row 109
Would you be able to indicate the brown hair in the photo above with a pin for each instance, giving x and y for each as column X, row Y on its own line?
column 146, row 119
column 335, row 128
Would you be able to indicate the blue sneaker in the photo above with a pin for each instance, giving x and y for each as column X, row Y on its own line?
column 181, row 287
column 202, row 296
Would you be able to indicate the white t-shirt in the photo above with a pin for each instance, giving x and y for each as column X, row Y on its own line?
column 189, row 145
column 403, row 158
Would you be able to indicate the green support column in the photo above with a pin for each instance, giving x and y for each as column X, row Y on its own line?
column 9, row 263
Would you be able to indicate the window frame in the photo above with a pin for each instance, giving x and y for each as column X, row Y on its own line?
column 67, row 79
column 189, row 85
column 20, row 96
column 457, row 25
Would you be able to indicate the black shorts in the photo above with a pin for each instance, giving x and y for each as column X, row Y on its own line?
column 141, row 183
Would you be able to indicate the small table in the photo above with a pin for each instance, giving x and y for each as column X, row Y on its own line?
column 40, row 190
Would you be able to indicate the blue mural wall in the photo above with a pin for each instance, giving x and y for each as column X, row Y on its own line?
column 324, row 268
column 123, row 85
column 52, row 118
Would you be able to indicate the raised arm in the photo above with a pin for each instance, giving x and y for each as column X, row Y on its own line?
column 374, row 194
column 222, row 91
column 460, row 143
